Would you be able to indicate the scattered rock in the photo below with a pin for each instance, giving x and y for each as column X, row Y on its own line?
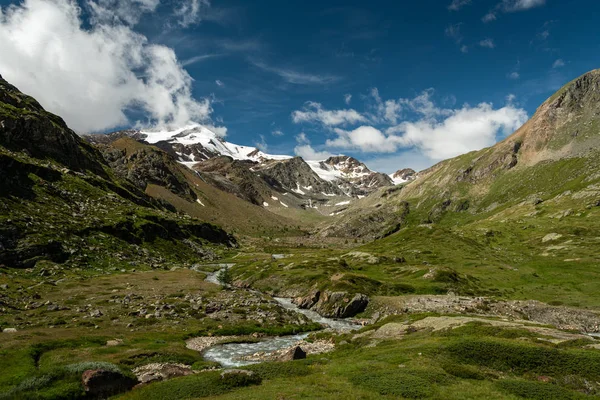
column 295, row 353
column 100, row 383
column 161, row 371
column 551, row 236
column 96, row 314
column 9, row 330
column 114, row 342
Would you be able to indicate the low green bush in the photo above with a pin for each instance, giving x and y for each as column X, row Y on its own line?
column 272, row 370
column 463, row 371
column 538, row 390
column 524, row 358
column 192, row 387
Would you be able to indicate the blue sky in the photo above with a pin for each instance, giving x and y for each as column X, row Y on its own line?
column 299, row 76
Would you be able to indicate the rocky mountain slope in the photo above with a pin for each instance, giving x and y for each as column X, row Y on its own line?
column 61, row 203
column 551, row 163
column 313, row 181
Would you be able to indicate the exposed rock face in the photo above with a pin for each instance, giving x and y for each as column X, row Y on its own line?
column 340, row 304
column 99, row 383
column 236, row 177
column 405, row 174
column 354, row 177
column 296, row 174
column 143, row 165
column 295, row 353
column 309, row 301
column 24, row 124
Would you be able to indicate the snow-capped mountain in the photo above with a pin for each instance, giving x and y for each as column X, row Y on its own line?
column 336, row 176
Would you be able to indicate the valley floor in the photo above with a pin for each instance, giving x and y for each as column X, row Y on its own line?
column 414, row 344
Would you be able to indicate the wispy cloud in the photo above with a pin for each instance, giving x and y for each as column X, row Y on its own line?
column 197, row 59
column 297, row 77
column 454, row 32
column 219, row 83
column 558, row 63
column 277, row 132
column 510, row 6
column 347, row 98
column 458, row 4
column 488, row 43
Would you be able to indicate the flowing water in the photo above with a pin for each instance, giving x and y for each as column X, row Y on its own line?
column 229, row 355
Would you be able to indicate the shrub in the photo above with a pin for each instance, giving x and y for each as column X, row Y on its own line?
column 523, row 358
column 463, row 371
column 537, row 390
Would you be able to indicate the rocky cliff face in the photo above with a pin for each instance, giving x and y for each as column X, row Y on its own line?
column 296, row 175
column 25, row 125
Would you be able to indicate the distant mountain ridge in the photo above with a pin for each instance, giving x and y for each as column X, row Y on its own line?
column 255, row 176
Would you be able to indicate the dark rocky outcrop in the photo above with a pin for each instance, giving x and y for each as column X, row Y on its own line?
column 143, row 165
column 340, row 304
column 25, row 125
column 101, row 384
column 295, row 353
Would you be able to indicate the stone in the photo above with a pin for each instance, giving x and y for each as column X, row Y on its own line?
column 114, row 342
column 295, row 353
column 308, row 301
column 103, row 384
column 357, row 305
column 96, row 314
column 240, row 377
column 159, row 372
column 551, row 237
column 9, row 330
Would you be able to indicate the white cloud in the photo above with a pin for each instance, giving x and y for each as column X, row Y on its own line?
column 514, row 75
column 306, row 151
column 262, row 144
column 315, row 113
column 347, row 99
column 91, row 74
column 365, row 138
column 558, row 63
column 458, row 4
column 219, row 83
column 488, row 43
column 127, row 12
column 438, row 133
column 467, row 129
column 464, row 48
column 277, row 132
